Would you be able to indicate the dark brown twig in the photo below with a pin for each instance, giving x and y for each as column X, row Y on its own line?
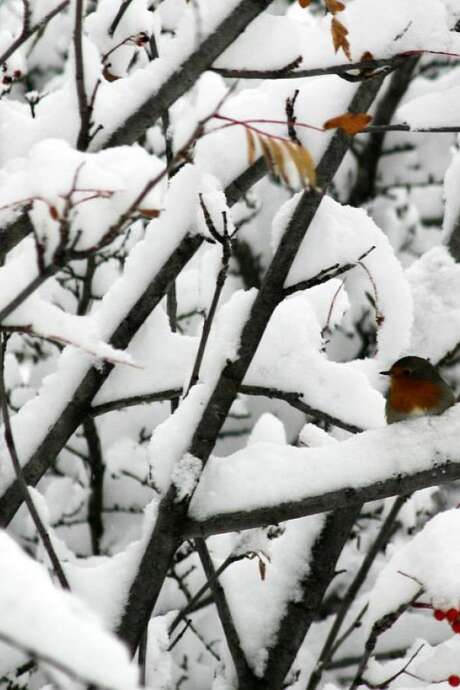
column 326, row 274
column 331, row 644
column 379, row 627
column 243, row 669
column 28, row 31
column 83, row 107
column 226, row 241
column 119, row 15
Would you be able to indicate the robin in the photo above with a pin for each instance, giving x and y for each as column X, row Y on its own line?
column 416, row 389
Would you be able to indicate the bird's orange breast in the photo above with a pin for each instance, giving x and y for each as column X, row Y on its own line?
column 408, row 394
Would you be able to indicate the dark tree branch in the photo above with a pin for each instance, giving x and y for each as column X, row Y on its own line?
column 403, row 483
column 194, row 603
column 291, row 72
column 83, row 106
column 370, row 156
column 295, row 400
column 325, row 275
column 13, row 233
column 96, row 497
column 226, row 242
column 28, row 31
column 34, row 284
column 187, row 74
column 175, row 87
column 300, row 614
column 379, row 627
column 143, row 399
column 119, row 16
column 9, row 439
column 167, row 531
column 330, row 646
column 73, row 415
column 246, row 677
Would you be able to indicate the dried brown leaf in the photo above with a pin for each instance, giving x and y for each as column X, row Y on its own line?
column 54, row 212
column 351, row 123
column 251, row 146
column 262, row 569
column 304, row 3
column 267, row 153
column 334, row 6
column 304, row 163
column 108, row 75
column 277, row 154
column 339, row 37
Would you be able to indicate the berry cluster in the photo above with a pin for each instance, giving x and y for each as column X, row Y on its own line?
column 451, row 615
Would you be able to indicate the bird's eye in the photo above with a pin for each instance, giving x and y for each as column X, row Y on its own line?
column 407, row 372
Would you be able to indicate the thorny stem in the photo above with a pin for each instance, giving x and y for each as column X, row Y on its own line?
column 9, row 439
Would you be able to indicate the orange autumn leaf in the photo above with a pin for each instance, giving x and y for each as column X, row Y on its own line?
column 149, row 212
column 335, row 6
column 350, row 123
column 339, row 37
column 304, row 3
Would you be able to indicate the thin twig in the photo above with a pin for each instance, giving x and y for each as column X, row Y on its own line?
column 9, row 439
column 28, row 31
column 326, row 274
column 193, row 603
column 380, row 626
column 83, row 108
column 119, row 15
column 226, row 242
column 231, row 635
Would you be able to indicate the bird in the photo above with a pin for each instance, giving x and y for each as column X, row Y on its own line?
column 416, row 389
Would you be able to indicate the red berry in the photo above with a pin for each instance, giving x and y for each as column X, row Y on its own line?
column 456, row 627
column 439, row 614
column 452, row 615
column 454, row 681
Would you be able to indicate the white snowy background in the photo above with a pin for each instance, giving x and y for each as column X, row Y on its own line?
column 102, row 220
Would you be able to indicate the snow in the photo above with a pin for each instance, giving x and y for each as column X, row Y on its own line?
column 384, row 29
column 307, row 350
column 429, row 561
column 452, row 205
column 435, row 283
column 264, row 475
column 172, row 438
column 289, row 358
column 44, row 620
column 259, row 606
column 340, row 235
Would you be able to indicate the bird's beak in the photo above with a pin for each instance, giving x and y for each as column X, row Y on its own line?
column 385, row 373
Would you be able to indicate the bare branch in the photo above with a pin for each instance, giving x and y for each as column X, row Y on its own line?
column 244, row 671
column 28, row 31
column 8, row 432
column 331, row 645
